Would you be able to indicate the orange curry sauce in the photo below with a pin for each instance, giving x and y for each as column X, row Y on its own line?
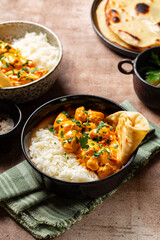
column 90, row 138
column 19, row 70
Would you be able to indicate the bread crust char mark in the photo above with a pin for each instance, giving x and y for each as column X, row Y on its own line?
column 142, row 8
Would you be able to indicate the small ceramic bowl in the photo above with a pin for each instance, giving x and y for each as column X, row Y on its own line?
column 13, row 112
column 28, row 92
column 73, row 189
column 147, row 93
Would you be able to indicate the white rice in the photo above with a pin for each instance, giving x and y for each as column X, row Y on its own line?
column 37, row 48
column 49, row 156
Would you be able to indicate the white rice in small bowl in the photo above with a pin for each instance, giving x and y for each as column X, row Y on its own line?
column 49, row 156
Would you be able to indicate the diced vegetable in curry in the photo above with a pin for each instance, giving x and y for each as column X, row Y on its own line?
column 18, row 70
column 90, row 138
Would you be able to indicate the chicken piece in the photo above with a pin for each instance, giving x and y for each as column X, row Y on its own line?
column 59, row 119
column 95, row 116
column 105, row 171
column 70, row 140
column 80, row 115
column 92, row 164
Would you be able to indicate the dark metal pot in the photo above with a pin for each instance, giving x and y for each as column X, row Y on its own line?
column 147, row 93
column 70, row 189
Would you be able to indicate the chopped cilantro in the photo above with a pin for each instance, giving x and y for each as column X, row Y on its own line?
column 11, row 65
column 111, row 128
column 87, row 123
column 115, row 147
column 58, row 121
column 24, row 64
column 2, row 57
column 62, row 134
column 77, row 140
column 25, row 69
column 78, row 123
column 101, row 125
column 52, row 130
column 5, row 65
column 19, row 74
column 33, row 70
column 7, row 47
column 66, row 114
column 108, row 141
column 83, row 142
column 70, row 139
column 85, row 112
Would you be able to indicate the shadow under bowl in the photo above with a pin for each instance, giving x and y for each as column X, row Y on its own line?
column 13, row 111
column 73, row 189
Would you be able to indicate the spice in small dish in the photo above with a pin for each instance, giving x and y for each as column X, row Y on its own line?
column 6, row 123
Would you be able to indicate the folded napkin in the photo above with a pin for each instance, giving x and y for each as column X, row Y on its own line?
column 46, row 215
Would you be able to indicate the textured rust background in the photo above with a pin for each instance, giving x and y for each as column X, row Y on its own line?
column 88, row 68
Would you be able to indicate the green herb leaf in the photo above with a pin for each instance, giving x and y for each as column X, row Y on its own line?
column 7, row 47
column 32, row 71
column 5, row 65
column 2, row 57
column 70, row 139
column 25, row 69
column 78, row 123
column 84, row 142
column 115, row 147
column 66, row 114
column 62, row 134
column 52, row 130
column 58, row 121
column 24, row 64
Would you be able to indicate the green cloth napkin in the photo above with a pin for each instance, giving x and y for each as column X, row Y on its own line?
column 46, row 215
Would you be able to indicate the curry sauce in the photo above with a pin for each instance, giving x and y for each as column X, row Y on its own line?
column 16, row 68
column 90, row 138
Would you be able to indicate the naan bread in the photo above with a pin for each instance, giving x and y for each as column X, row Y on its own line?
column 4, row 81
column 131, row 128
column 103, row 28
column 135, row 22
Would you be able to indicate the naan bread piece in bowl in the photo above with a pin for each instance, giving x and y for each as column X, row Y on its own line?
column 131, row 128
column 135, row 22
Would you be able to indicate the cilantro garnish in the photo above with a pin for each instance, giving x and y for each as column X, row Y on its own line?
column 101, row 125
column 33, row 70
column 62, row 134
column 66, row 114
column 84, row 142
column 25, row 69
column 115, row 147
column 78, row 123
column 2, row 57
column 58, row 121
column 70, row 139
column 52, row 130
column 7, row 47
column 24, row 64
column 5, row 65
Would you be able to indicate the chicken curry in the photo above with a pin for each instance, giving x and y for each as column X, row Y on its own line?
column 17, row 69
column 90, row 138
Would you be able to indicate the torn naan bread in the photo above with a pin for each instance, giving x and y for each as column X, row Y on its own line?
column 135, row 22
column 131, row 128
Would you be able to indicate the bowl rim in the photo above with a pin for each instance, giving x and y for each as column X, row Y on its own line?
column 56, row 100
column 19, row 119
column 52, row 69
column 135, row 66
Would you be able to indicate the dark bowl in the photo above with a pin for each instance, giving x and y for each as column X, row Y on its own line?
column 73, row 189
column 14, row 113
column 116, row 48
column 146, row 92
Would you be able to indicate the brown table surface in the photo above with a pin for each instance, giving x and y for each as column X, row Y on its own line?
column 88, row 68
